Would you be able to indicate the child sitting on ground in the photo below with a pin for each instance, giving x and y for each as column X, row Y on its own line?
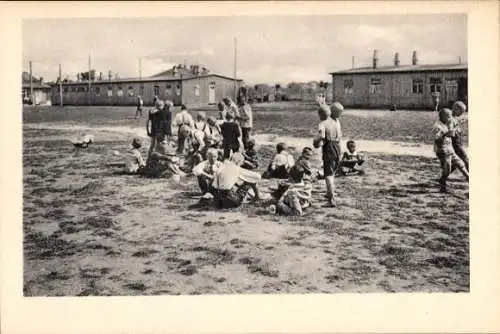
column 296, row 198
column 443, row 133
column 205, row 171
column 350, row 160
column 281, row 164
column 251, row 159
column 135, row 162
column 301, row 166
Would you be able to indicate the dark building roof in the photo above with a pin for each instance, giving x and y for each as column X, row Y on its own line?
column 136, row 80
column 36, row 86
column 403, row 68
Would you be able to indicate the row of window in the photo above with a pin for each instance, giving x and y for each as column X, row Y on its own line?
column 130, row 91
column 435, row 85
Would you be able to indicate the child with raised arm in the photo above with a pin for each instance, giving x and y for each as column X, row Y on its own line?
column 443, row 134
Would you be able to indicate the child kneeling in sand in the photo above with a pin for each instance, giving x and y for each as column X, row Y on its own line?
column 351, row 159
column 296, row 198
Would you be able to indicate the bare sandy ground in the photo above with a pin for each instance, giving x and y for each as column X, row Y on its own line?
column 91, row 231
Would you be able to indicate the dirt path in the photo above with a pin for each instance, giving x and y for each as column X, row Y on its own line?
column 369, row 146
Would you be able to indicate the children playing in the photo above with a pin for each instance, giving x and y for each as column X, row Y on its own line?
column 251, row 160
column 282, row 163
column 351, row 159
column 443, row 146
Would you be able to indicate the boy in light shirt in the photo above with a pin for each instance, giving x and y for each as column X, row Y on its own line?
column 443, row 132
column 205, row 171
column 134, row 157
column 282, row 163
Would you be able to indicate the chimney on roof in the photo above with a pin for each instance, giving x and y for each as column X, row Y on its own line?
column 375, row 59
column 414, row 59
column 396, row 59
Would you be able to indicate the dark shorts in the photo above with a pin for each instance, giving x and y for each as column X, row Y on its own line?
column 331, row 157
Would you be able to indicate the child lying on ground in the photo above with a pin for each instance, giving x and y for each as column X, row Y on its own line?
column 281, row 164
column 251, row 159
column 296, row 198
column 83, row 141
column 350, row 160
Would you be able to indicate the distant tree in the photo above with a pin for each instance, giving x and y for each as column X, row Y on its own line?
column 277, row 86
column 325, row 84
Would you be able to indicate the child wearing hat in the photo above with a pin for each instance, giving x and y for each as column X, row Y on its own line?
column 281, row 164
column 351, row 159
column 458, row 109
column 251, row 159
column 443, row 146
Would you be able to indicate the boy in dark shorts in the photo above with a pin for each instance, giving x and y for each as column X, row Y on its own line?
column 328, row 138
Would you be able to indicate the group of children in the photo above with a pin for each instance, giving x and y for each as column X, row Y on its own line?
column 211, row 150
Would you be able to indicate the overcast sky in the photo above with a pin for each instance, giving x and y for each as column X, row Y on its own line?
column 271, row 49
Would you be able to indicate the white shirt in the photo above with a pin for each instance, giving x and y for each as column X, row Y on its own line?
column 134, row 160
column 283, row 159
column 184, row 117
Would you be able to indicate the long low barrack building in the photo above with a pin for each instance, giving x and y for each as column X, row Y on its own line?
column 181, row 85
column 400, row 86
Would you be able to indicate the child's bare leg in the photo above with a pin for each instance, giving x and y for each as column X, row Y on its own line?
column 445, row 170
column 281, row 207
column 457, row 162
column 329, row 180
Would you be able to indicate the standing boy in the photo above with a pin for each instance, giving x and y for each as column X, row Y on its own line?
column 328, row 138
column 140, row 103
column 183, row 119
column 246, row 119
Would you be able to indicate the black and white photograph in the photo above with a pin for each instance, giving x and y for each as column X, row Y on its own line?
column 249, row 167
column 245, row 155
